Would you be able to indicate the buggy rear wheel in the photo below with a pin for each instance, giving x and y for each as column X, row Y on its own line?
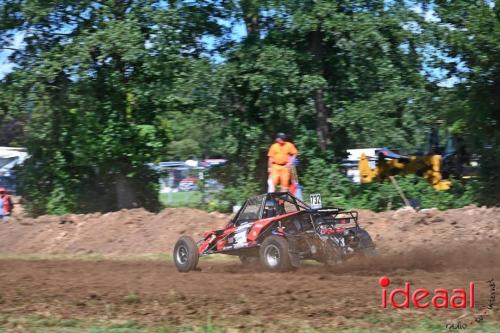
column 366, row 244
column 332, row 253
column 186, row 254
column 274, row 254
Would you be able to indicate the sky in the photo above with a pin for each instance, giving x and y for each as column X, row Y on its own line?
column 5, row 65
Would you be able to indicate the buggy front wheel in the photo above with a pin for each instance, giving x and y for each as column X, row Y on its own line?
column 274, row 254
column 186, row 254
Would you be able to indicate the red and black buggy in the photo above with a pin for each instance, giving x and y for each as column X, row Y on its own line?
column 280, row 231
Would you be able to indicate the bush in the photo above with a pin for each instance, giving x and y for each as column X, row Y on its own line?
column 234, row 195
column 60, row 189
column 326, row 179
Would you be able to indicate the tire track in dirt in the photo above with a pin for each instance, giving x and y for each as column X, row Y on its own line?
column 311, row 297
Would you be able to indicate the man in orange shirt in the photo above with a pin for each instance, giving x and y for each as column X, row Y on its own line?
column 281, row 155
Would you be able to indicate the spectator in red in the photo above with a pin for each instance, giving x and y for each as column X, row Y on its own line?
column 5, row 205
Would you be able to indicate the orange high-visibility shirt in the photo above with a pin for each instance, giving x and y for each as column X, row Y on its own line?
column 281, row 153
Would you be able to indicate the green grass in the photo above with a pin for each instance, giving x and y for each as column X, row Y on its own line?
column 46, row 324
column 132, row 299
column 181, row 199
column 376, row 324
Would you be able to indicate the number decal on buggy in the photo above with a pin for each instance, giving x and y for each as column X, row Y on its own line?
column 315, row 200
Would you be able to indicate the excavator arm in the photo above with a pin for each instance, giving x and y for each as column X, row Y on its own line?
column 391, row 164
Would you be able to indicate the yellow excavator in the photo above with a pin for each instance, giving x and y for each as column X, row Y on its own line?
column 437, row 164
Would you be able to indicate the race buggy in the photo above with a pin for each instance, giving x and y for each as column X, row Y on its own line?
column 280, row 230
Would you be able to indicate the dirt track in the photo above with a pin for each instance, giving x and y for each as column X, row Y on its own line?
column 242, row 298
column 430, row 249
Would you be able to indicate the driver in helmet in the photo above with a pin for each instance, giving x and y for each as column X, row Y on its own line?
column 273, row 208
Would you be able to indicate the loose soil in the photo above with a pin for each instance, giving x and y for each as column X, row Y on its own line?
column 229, row 295
column 430, row 249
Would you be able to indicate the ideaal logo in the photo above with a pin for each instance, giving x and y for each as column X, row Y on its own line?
column 459, row 298
column 466, row 320
column 423, row 298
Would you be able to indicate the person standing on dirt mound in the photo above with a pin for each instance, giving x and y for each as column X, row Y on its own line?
column 5, row 205
column 281, row 155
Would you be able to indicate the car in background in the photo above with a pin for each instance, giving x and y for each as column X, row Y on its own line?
column 189, row 183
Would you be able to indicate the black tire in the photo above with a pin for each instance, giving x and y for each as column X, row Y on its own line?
column 185, row 254
column 274, row 254
column 367, row 247
column 333, row 253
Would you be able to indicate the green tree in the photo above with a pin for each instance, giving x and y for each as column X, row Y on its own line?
column 468, row 38
column 98, row 79
column 332, row 74
column 102, row 88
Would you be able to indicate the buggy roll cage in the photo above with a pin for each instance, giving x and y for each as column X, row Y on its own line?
column 332, row 215
column 335, row 215
column 275, row 197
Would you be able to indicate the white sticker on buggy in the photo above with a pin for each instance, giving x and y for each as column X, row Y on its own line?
column 315, row 200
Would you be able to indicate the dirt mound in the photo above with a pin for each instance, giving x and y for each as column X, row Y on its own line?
column 122, row 233
column 405, row 229
column 138, row 232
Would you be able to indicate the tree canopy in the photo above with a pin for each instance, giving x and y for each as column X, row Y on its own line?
column 101, row 88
